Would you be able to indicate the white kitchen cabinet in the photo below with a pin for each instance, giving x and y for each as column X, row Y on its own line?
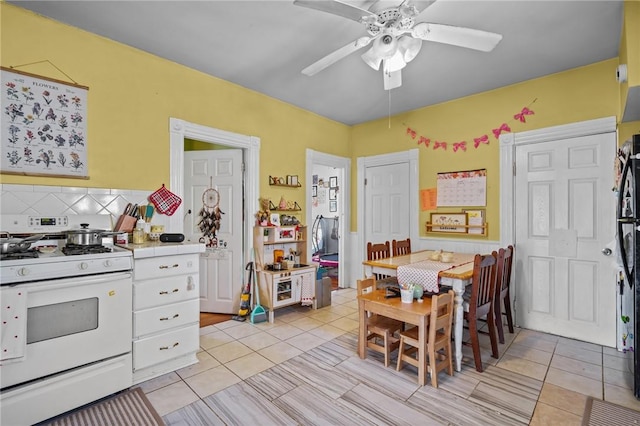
column 166, row 308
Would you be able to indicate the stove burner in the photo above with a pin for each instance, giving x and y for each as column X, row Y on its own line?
column 28, row 254
column 75, row 249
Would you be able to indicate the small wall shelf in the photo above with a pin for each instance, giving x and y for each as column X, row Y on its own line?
column 299, row 185
column 289, row 181
column 296, row 207
column 469, row 230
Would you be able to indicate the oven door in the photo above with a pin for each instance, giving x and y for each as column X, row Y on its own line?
column 70, row 323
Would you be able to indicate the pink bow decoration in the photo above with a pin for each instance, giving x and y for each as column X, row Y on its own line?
column 459, row 145
column 503, row 128
column 521, row 114
column 481, row 139
column 411, row 132
column 425, row 141
column 442, row 145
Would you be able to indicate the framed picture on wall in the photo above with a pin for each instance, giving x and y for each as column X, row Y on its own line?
column 332, row 194
column 449, row 222
column 314, row 191
column 333, row 206
column 333, row 182
column 43, row 126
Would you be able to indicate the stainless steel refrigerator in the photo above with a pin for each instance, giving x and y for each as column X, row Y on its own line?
column 628, row 256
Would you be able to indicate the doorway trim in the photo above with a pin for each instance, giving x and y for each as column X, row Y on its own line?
column 344, row 197
column 178, row 131
column 508, row 144
column 410, row 157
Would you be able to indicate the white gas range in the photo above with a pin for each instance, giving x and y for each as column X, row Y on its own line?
column 66, row 320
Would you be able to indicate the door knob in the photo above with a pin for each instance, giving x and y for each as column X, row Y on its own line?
column 607, row 251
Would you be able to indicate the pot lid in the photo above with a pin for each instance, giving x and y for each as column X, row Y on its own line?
column 84, row 229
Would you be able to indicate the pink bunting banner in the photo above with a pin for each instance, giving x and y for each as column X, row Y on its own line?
column 481, row 140
column 460, row 145
column 442, row 145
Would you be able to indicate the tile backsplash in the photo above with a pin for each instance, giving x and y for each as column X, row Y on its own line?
column 40, row 200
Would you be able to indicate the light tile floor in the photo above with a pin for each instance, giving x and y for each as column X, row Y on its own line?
column 304, row 369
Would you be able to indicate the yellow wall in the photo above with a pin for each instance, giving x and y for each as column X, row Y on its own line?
column 132, row 95
column 580, row 94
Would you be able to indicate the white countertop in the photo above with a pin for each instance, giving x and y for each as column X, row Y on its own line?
column 156, row 248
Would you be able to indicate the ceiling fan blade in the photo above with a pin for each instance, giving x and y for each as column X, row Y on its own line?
column 335, row 56
column 457, row 36
column 339, row 8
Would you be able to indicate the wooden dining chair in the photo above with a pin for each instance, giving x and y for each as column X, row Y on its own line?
column 503, row 281
column 380, row 328
column 480, row 304
column 439, row 354
column 376, row 251
column 402, row 247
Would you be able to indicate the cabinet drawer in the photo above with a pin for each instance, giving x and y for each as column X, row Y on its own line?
column 166, row 346
column 165, row 317
column 165, row 266
column 163, row 291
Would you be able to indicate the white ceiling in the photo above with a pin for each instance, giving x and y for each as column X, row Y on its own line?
column 263, row 46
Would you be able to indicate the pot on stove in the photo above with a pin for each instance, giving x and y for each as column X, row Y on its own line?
column 87, row 237
column 17, row 245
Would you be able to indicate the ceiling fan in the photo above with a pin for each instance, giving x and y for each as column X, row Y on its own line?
column 396, row 37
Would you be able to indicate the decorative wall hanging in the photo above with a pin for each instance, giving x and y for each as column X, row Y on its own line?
column 43, row 126
column 210, row 216
column 449, row 222
column 463, row 146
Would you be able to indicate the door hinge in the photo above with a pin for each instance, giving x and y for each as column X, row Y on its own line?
column 514, row 168
column 365, row 181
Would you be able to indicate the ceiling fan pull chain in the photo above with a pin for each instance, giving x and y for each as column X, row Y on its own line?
column 389, row 113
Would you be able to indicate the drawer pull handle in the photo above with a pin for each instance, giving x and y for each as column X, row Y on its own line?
column 175, row 290
column 164, row 348
column 167, row 318
column 167, row 266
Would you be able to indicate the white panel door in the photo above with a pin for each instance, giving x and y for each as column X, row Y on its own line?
column 387, row 202
column 565, row 216
column 221, row 270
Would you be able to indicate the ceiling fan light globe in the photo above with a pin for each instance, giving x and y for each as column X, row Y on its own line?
column 385, row 46
column 371, row 59
column 409, row 47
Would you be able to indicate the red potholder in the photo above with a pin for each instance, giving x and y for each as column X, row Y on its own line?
column 166, row 202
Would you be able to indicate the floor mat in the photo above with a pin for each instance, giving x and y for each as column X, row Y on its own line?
column 127, row 408
column 598, row 412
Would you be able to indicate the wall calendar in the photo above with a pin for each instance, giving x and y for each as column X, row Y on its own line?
column 43, row 126
column 465, row 188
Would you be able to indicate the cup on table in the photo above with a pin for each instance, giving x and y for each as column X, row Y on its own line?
column 406, row 295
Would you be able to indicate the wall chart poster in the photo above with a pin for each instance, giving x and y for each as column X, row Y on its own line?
column 466, row 188
column 43, row 126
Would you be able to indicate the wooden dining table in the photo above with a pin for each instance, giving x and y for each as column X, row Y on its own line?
column 457, row 276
